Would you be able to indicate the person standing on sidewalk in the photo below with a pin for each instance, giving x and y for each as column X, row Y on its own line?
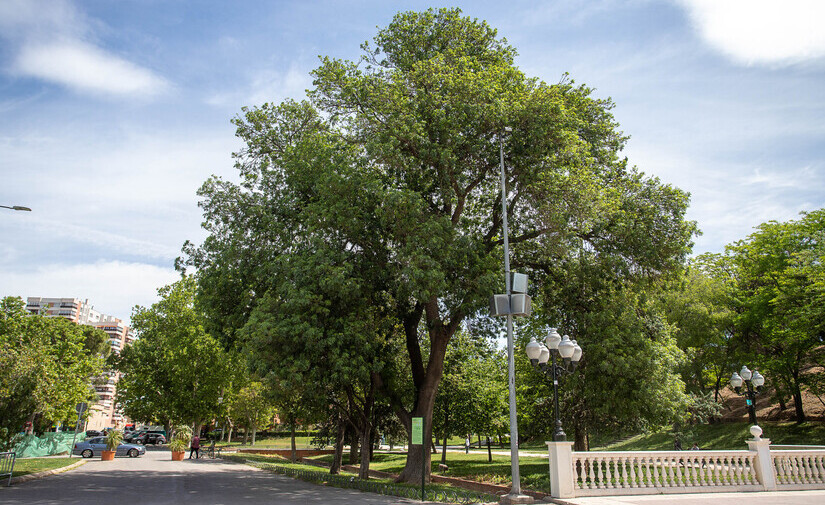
column 467, row 445
column 196, row 445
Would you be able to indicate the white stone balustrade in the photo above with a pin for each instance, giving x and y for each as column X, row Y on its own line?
column 799, row 469
column 575, row 474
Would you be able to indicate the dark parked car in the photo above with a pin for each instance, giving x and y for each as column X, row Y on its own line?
column 150, row 437
column 93, row 433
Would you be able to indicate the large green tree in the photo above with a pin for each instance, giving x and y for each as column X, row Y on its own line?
column 47, row 366
column 175, row 372
column 779, row 300
column 396, row 156
column 700, row 307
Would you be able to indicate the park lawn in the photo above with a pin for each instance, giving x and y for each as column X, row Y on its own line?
column 25, row 466
column 266, row 458
column 473, row 466
column 272, row 443
column 723, row 436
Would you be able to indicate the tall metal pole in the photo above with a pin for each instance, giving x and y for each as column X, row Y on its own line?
column 511, row 363
column 751, row 403
column 558, row 435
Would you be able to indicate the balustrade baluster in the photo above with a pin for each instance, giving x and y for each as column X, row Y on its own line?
column 625, row 483
column 795, row 469
column 679, row 468
column 820, row 471
column 669, row 480
column 657, row 468
column 804, row 470
column 631, row 463
column 578, row 468
column 738, row 473
column 593, row 483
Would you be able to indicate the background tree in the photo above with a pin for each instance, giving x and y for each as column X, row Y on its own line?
column 396, row 156
column 47, row 366
column 252, row 408
column 699, row 306
column 472, row 396
column 175, row 372
column 627, row 379
column 780, row 312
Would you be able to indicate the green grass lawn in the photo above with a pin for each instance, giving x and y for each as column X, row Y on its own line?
column 473, row 466
column 271, row 443
column 298, row 466
column 34, row 465
column 723, row 436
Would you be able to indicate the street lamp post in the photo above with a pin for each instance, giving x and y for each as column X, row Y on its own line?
column 16, row 207
column 514, row 302
column 753, row 384
column 557, row 347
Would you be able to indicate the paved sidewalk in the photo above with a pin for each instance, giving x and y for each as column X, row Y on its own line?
column 759, row 498
column 153, row 479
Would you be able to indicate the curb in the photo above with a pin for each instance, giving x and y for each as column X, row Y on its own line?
column 45, row 473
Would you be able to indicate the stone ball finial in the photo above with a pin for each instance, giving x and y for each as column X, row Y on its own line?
column 756, row 431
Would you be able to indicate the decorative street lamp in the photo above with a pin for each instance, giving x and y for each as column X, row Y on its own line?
column 15, row 207
column 753, row 383
column 570, row 353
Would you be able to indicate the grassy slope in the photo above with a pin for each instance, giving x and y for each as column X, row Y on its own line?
column 724, row 436
column 34, row 465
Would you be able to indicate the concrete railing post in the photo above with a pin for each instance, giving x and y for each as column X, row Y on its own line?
column 762, row 463
column 561, row 469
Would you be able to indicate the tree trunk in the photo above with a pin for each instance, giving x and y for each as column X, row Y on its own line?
column 426, row 384
column 446, row 431
column 580, row 440
column 294, row 454
column 489, row 451
column 353, row 446
column 339, row 447
column 254, row 432
column 444, row 452
column 231, row 427
column 245, row 434
column 797, row 400
column 364, row 466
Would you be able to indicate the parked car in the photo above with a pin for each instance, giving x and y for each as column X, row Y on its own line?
column 130, row 436
column 93, row 433
column 93, row 446
column 150, row 437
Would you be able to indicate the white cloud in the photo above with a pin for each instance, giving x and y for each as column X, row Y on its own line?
column 52, row 41
column 113, row 287
column 266, row 86
column 84, row 67
column 761, row 31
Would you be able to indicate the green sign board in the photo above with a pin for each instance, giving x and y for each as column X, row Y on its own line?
column 417, row 430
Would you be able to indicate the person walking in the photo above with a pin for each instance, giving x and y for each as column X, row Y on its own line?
column 467, row 445
column 195, row 447
column 677, row 444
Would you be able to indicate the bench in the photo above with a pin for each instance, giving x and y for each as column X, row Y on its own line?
column 7, row 465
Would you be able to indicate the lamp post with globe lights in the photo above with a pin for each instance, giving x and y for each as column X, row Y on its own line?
column 556, row 347
column 753, row 384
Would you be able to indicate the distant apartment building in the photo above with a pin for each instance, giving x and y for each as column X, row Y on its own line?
column 105, row 412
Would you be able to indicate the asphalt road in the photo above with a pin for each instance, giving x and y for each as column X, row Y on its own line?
column 153, row 479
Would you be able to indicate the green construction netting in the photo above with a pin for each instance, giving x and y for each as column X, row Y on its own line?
column 47, row 444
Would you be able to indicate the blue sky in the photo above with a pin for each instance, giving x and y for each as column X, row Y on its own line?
column 112, row 114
